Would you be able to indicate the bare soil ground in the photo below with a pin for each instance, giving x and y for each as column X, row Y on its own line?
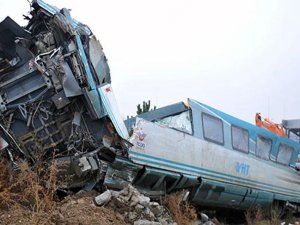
column 78, row 209
column 29, row 197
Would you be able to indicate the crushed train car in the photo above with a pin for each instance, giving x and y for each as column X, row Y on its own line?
column 222, row 161
column 56, row 99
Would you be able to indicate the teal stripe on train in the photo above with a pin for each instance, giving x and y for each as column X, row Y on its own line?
column 213, row 174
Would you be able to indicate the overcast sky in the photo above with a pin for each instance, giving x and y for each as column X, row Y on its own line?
column 241, row 57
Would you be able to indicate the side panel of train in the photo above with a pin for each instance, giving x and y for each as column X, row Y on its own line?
column 224, row 161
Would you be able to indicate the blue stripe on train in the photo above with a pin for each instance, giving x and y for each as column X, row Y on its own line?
column 213, row 174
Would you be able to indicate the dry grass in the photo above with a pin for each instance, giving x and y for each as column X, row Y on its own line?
column 30, row 189
column 182, row 212
column 28, row 197
column 275, row 214
column 254, row 215
column 217, row 222
column 257, row 216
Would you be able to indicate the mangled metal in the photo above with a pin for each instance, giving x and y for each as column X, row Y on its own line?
column 56, row 100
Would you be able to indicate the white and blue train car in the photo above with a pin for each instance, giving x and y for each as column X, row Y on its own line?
column 223, row 161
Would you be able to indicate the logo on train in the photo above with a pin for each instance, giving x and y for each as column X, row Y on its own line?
column 242, row 168
column 141, row 135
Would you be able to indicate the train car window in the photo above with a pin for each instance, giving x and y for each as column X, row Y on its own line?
column 263, row 147
column 181, row 122
column 240, row 139
column 284, row 154
column 213, row 128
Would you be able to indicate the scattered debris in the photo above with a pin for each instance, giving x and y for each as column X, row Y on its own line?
column 135, row 207
column 103, row 198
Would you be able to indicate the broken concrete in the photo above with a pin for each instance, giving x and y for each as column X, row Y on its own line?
column 135, row 207
column 103, row 199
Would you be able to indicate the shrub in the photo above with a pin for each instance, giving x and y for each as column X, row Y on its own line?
column 182, row 212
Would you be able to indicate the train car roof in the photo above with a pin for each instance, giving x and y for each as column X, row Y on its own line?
column 157, row 114
column 179, row 107
column 253, row 129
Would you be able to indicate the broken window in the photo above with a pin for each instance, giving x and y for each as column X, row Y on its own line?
column 213, row 128
column 263, row 147
column 284, row 154
column 240, row 139
column 181, row 122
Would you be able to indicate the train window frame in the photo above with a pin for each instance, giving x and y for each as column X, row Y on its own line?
column 222, row 126
column 159, row 121
column 264, row 137
column 293, row 149
column 248, row 141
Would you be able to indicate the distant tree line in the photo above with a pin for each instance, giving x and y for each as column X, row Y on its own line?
column 146, row 107
column 142, row 108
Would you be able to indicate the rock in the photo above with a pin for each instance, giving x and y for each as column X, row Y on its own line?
column 143, row 200
column 154, row 204
column 122, row 198
column 73, row 202
column 124, row 191
column 127, row 192
column 132, row 216
column 209, row 223
column 61, row 216
column 103, row 199
column 132, row 205
column 156, row 209
column 134, row 200
column 149, row 214
column 81, row 201
column 115, row 194
column 146, row 222
column 164, row 222
column 139, row 208
column 119, row 216
column 198, row 222
column 204, row 217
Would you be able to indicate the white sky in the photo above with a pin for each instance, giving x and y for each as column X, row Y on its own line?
column 241, row 57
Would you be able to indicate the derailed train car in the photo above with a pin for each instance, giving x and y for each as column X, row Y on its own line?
column 222, row 161
column 56, row 100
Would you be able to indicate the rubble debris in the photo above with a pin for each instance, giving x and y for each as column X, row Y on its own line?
column 205, row 220
column 103, row 198
column 204, row 217
column 135, row 207
column 146, row 222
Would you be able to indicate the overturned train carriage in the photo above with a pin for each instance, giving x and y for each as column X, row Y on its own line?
column 222, row 161
column 56, row 100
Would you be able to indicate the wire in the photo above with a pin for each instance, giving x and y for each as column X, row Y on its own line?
column 35, row 111
column 29, row 101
